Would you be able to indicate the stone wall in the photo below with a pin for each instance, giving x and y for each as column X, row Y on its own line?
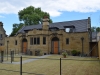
column 11, row 44
column 75, row 42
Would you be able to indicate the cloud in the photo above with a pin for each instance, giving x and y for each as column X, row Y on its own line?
column 54, row 7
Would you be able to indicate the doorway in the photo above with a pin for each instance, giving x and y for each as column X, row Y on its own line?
column 55, row 45
column 24, row 45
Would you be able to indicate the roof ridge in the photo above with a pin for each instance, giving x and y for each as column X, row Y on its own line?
column 69, row 21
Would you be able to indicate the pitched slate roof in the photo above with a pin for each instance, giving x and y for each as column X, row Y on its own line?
column 80, row 25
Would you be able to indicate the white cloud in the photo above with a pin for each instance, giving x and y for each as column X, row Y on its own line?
column 54, row 7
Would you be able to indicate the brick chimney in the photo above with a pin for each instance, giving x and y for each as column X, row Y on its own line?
column 89, row 28
column 89, row 23
column 45, row 23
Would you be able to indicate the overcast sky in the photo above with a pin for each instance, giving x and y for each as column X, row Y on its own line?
column 59, row 10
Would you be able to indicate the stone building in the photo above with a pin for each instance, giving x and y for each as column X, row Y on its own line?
column 2, row 36
column 52, row 38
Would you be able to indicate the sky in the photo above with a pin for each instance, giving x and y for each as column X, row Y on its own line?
column 59, row 10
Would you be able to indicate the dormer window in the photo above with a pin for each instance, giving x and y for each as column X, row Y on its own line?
column 69, row 28
column 54, row 29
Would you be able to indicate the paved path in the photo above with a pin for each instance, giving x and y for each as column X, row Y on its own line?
column 26, row 61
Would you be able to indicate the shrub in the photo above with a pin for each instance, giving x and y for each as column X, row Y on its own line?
column 74, row 52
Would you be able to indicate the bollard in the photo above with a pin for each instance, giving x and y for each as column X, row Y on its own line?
column 21, row 65
column 60, row 66
column 2, row 52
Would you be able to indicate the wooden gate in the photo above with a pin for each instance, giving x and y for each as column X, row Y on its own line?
column 94, row 49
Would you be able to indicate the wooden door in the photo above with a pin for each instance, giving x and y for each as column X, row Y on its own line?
column 55, row 47
column 24, row 47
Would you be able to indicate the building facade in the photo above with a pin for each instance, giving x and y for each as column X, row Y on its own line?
column 2, row 36
column 52, row 38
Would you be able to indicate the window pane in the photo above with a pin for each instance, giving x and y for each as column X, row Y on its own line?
column 15, row 42
column 38, row 40
column 44, row 40
column 67, row 40
column 34, row 40
column 0, row 36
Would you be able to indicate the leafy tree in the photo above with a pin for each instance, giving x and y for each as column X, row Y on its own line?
column 95, row 29
column 16, row 27
column 32, row 16
column 98, row 29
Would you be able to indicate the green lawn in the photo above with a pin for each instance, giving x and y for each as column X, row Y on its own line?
column 70, row 66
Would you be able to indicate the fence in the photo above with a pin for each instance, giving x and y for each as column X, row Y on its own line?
column 40, row 67
column 18, row 51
